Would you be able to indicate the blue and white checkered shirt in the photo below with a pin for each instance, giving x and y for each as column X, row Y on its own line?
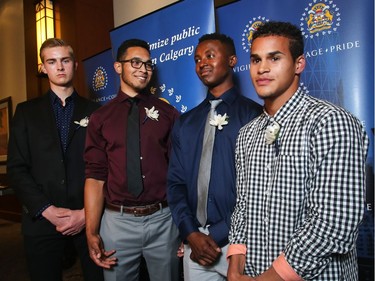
column 303, row 194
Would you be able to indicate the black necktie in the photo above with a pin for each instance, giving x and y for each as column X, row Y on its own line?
column 133, row 170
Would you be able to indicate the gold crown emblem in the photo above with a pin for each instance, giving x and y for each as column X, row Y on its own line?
column 100, row 79
column 319, row 18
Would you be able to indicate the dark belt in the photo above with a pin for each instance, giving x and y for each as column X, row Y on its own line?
column 137, row 211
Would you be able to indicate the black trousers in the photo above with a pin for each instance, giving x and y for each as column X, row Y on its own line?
column 44, row 255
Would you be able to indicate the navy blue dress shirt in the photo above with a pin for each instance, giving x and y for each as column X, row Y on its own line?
column 63, row 116
column 187, row 140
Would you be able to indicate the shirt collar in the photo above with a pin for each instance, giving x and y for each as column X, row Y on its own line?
column 55, row 99
column 289, row 107
column 228, row 97
column 286, row 110
column 121, row 96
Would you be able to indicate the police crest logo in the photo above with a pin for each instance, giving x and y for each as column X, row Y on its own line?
column 247, row 35
column 320, row 18
column 100, row 79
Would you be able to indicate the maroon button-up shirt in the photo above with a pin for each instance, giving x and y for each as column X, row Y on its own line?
column 105, row 153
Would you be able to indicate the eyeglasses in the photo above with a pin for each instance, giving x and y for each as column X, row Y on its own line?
column 137, row 64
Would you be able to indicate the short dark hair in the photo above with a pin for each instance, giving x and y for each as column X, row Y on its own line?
column 131, row 43
column 284, row 29
column 55, row 42
column 224, row 39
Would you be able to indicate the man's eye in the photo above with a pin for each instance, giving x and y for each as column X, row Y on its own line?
column 149, row 65
column 137, row 63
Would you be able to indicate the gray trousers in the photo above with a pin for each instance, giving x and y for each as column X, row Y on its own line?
column 155, row 237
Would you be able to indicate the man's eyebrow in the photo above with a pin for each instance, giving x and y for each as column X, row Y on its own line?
column 275, row 53
column 270, row 54
column 63, row 58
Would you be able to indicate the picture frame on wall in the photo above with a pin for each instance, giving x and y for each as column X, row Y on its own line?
column 5, row 116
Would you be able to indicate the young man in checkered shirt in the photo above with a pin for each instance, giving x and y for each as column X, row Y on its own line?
column 300, row 174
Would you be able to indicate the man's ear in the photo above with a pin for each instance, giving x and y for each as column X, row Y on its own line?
column 117, row 67
column 300, row 64
column 42, row 68
column 232, row 61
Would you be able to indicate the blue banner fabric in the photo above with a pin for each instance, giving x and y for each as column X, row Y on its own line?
column 101, row 78
column 339, row 50
column 172, row 34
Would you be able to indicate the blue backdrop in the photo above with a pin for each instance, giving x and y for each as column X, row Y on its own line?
column 101, row 78
column 339, row 49
column 173, row 33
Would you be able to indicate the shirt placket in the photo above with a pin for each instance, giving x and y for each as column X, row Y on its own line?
column 270, row 162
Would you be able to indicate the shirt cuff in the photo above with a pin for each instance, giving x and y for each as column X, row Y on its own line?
column 39, row 214
column 284, row 270
column 236, row 249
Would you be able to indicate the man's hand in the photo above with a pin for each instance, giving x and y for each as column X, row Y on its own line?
column 236, row 268
column 94, row 204
column 204, row 250
column 51, row 215
column 67, row 222
column 180, row 250
column 75, row 221
column 98, row 254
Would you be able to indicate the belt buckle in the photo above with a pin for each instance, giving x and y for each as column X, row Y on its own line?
column 150, row 208
column 136, row 214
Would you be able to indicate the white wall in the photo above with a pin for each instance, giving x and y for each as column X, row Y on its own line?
column 128, row 10
column 12, row 51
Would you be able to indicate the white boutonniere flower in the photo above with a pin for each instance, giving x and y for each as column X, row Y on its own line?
column 152, row 113
column 219, row 120
column 272, row 132
column 83, row 122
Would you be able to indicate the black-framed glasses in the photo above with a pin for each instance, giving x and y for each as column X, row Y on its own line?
column 137, row 64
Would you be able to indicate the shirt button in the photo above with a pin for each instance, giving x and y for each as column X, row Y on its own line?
column 141, row 157
column 62, row 181
column 143, row 176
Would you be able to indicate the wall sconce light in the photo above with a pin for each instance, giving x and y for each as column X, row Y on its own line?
column 45, row 24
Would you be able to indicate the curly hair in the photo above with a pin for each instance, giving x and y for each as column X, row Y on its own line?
column 224, row 39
